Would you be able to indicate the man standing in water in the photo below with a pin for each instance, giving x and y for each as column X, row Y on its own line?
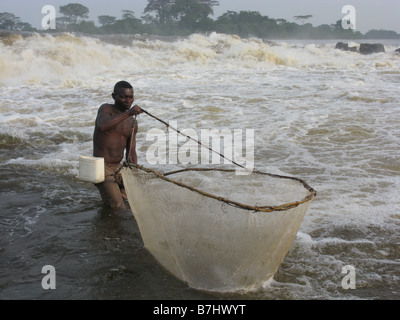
column 115, row 131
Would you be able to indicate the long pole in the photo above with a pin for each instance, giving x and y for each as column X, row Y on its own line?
column 198, row 142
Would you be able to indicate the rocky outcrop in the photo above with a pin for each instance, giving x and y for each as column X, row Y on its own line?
column 363, row 48
column 397, row 50
column 369, row 48
column 345, row 47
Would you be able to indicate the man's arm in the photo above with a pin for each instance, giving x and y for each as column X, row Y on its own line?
column 131, row 155
column 105, row 120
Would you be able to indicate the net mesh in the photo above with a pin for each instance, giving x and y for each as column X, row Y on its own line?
column 215, row 230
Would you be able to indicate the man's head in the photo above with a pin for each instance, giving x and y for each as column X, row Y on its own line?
column 123, row 95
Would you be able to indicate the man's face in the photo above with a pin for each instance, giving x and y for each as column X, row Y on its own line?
column 123, row 98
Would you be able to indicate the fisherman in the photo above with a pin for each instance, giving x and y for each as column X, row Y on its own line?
column 114, row 133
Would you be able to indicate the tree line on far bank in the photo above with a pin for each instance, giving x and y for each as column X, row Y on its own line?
column 185, row 17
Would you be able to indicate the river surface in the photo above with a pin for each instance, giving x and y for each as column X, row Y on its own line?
column 323, row 115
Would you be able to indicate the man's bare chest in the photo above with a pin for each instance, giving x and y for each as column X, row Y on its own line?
column 125, row 128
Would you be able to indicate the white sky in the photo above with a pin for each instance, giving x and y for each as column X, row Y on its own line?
column 370, row 14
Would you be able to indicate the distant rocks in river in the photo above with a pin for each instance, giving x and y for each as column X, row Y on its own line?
column 363, row 48
column 345, row 47
column 368, row 48
column 397, row 50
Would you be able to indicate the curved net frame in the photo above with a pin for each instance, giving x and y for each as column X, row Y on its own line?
column 215, row 230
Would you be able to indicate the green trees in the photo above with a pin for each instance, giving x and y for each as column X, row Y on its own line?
column 192, row 11
column 179, row 16
column 161, row 8
column 302, row 18
column 188, row 12
column 184, row 17
column 106, row 20
column 244, row 23
column 382, row 34
column 73, row 11
column 128, row 24
column 8, row 21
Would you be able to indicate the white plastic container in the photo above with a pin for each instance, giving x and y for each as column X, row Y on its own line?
column 91, row 169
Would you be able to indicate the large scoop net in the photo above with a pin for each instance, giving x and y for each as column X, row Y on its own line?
column 213, row 229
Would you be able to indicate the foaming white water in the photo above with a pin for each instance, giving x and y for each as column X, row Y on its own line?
column 70, row 60
column 327, row 116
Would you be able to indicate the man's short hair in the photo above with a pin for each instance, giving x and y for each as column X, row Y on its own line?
column 122, row 85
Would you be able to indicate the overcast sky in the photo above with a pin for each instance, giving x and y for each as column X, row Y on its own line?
column 370, row 14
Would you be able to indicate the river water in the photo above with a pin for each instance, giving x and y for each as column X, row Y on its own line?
column 323, row 115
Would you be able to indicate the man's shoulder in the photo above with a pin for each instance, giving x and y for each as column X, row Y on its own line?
column 105, row 108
